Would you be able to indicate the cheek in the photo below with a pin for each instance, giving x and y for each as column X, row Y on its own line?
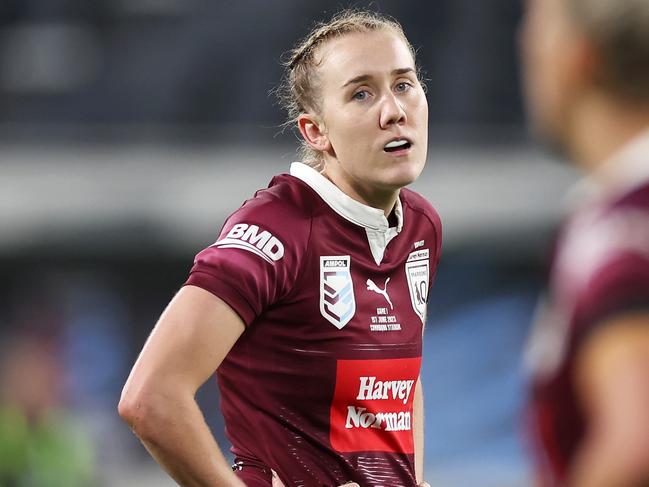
column 419, row 111
column 424, row 111
column 354, row 131
column 551, row 80
column 539, row 70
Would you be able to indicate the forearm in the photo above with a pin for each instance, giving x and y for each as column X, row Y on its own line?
column 174, row 432
column 189, row 342
column 418, row 431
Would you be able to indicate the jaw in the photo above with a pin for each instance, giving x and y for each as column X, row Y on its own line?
column 381, row 179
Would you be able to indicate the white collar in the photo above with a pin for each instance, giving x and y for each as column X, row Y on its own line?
column 373, row 220
column 347, row 207
column 626, row 169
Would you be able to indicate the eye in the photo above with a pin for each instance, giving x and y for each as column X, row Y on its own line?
column 360, row 95
column 402, row 87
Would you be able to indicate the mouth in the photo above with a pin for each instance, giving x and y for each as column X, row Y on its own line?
column 397, row 146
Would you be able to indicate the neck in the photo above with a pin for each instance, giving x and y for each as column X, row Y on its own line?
column 383, row 199
column 601, row 126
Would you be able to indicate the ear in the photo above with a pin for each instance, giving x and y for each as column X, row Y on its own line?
column 314, row 132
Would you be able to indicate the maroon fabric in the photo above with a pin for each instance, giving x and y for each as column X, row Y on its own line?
column 321, row 403
column 601, row 269
column 254, row 477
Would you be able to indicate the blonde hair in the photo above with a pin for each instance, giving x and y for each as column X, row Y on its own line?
column 298, row 92
column 620, row 31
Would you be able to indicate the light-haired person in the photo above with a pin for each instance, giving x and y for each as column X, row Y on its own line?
column 311, row 303
column 587, row 85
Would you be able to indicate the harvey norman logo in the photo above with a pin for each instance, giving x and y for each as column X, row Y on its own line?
column 372, row 389
column 372, row 405
column 249, row 237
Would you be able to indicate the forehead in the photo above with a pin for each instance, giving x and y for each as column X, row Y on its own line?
column 372, row 53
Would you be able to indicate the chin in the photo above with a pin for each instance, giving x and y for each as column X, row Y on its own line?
column 403, row 178
column 410, row 172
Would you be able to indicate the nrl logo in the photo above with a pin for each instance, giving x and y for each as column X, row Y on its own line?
column 337, row 304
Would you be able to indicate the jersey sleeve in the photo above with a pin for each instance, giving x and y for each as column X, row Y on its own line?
column 619, row 282
column 256, row 258
column 620, row 286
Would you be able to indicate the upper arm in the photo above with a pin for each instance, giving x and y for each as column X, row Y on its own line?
column 251, row 266
column 612, row 376
column 190, row 340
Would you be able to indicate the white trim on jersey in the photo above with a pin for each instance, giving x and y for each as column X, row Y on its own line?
column 379, row 232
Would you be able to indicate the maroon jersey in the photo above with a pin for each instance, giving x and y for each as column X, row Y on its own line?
column 320, row 386
column 601, row 268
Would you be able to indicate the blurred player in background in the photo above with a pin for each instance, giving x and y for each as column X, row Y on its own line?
column 42, row 443
column 587, row 81
column 311, row 303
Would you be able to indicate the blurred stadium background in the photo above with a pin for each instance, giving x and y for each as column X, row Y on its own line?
column 130, row 128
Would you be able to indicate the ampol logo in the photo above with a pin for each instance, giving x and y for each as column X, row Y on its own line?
column 337, row 303
column 248, row 237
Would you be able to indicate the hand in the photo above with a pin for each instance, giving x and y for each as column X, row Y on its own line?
column 278, row 483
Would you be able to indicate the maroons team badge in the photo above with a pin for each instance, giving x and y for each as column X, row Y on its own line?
column 337, row 304
column 417, row 271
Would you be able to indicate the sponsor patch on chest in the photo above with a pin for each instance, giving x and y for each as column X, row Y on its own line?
column 337, row 303
column 372, row 407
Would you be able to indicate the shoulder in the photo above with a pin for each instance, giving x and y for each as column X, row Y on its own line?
column 284, row 203
column 421, row 207
column 609, row 258
column 604, row 233
column 282, row 213
column 273, row 227
column 620, row 228
column 638, row 197
column 286, row 199
column 417, row 203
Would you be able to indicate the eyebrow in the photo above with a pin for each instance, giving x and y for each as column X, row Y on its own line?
column 365, row 77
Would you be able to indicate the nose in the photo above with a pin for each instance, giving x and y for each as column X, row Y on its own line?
column 392, row 111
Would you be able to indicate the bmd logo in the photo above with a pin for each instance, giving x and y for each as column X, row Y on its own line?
column 248, row 237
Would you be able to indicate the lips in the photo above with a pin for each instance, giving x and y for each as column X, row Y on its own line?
column 398, row 144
